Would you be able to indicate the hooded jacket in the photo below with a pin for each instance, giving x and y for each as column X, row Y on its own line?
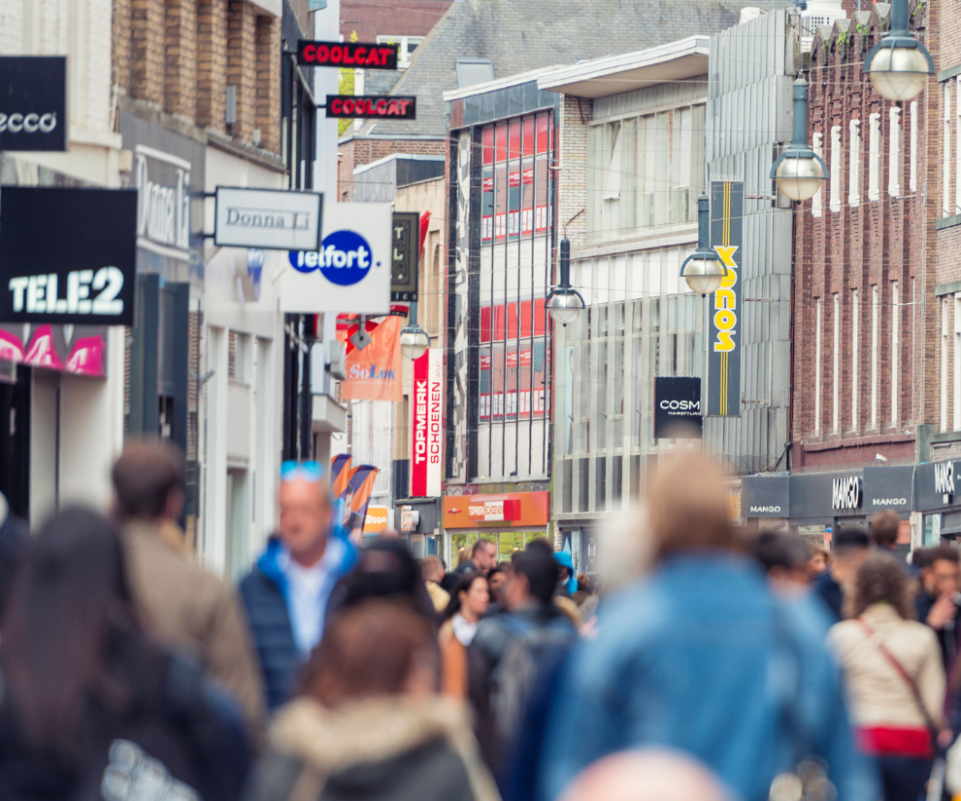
column 388, row 748
column 264, row 592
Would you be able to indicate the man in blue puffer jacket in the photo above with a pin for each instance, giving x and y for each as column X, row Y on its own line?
column 286, row 594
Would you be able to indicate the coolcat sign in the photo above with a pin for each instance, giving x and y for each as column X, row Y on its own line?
column 372, row 107
column 350, row 271
column 427, row 425
column 347, row 54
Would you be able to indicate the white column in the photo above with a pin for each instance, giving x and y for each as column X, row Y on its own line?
column 854, row 165
column 817, row 370
column 895, row 352
column 213, row 547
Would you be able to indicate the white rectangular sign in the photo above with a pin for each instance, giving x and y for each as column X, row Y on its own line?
column 350, row 272
column 272, row 219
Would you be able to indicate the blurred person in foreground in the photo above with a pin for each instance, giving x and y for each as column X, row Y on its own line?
column 470, row 598
column 286, row 593
column 646, row 775
column 91, row 707
column 885, row 526
column 937, row 606
column 368, row 723
column 433, row 569
column 14, row 534
column 704, row 658
column 495, row 580
column 894, row 676
column 180, row 602
column 784, row 557
column 851, row 546
column 514, row 651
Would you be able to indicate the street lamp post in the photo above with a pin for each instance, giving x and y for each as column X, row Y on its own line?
column 702, row 270
column 414, row 341
column 899, row 65
column 564, row 302
column 799, row 171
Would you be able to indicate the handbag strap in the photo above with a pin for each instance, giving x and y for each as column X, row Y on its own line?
column 875, row 638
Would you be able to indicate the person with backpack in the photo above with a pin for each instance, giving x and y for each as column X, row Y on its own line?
column 512, row 654
column 91, row 708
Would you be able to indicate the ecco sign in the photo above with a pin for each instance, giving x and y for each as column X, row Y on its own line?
column 33, row 111
column 846, row 493
column 677, row 407
column 350, row 271
column 347, row 54
column 271, row 219
column 85, row 274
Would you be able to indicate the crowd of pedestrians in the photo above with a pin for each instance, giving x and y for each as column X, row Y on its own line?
column 735, row 665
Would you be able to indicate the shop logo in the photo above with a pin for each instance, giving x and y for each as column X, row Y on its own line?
column 362, row 371
column 889, row 502
column 40, row 294
column 163, row 212
column 31, row 123
column 944, row 478
column 682, row 406
column 765, row 510
column 344, row 258
column 846, row 493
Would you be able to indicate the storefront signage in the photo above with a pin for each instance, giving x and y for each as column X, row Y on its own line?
column 360, row 55
column 84, row 274
column 944, row 478
column 846, row 493
column 409, row 519
column 350, row 271
column 677, row 407
column 272, row 219
column 766, row 496
column 404, row 261
column 493, row 509
column 888, row 488
column 374, row 373
column 376, row 520
column 512, row 509
column 163, row 211
column 427, row 425
column 726, row 329
column 33, row 103
column 373, row 107
column 934, row 485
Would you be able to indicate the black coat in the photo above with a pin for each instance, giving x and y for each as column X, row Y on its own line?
column 174, row 727
column 948, row 635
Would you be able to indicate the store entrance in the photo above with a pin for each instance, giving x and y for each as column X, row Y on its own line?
column 15, row 443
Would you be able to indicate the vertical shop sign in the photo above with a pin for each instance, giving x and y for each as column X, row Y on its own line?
column 427, row 425
column 725, row 328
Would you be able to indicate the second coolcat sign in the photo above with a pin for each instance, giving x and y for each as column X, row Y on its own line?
column 373, row 107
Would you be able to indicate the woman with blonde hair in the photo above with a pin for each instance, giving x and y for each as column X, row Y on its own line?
column 895, row 679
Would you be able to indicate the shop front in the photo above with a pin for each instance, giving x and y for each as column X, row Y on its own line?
column 511, row 520
column 418, row 520
column 938, row 501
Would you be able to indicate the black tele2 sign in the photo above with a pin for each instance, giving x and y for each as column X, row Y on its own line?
column 347, row 54
column 33, row 103
column 391, row 107
column 67, row 255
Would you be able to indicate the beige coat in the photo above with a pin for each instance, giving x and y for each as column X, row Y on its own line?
column 877, row 693
column 184, row 605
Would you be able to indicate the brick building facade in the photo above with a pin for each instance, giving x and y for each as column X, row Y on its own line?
column 356, row 151
column 181, row 55
column 865, row 332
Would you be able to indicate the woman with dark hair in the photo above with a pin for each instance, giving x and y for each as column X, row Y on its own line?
column 92, row 709
column 469, row 599
column 368, row 723
column 895, row 680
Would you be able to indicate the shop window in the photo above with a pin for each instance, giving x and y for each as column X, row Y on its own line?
column 472, row 71
column 600, row 484
column 408, row 44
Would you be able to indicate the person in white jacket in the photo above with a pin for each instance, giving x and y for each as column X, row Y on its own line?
column 894, row 676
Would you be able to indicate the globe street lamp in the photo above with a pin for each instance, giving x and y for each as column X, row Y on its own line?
column 899, row 65
column 414, row 341
column 564, row 302
column 799, row 171
column 702, row 270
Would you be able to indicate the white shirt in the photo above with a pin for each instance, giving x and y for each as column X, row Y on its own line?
column 464, row 630
column 308, row 590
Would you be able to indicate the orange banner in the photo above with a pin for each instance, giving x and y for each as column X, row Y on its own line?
column 374, row 373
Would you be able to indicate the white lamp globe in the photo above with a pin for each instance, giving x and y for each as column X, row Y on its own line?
column 899, row 73
column 799, row 179
column 565, row 307
column 704, row 276
column 414, row 342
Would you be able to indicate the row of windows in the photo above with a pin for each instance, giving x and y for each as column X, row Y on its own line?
column 833, row 152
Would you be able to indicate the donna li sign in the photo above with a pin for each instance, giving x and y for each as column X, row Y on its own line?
column 677, row 407
column 82, row 275
column 270, row 219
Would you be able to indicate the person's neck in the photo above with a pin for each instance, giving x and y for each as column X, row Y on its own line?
column 312, row 556
column 469, row 616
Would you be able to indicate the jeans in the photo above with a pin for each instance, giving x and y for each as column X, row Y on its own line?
column 904, row 778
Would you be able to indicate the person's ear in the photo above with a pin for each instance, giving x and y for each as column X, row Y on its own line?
column 175, row 504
